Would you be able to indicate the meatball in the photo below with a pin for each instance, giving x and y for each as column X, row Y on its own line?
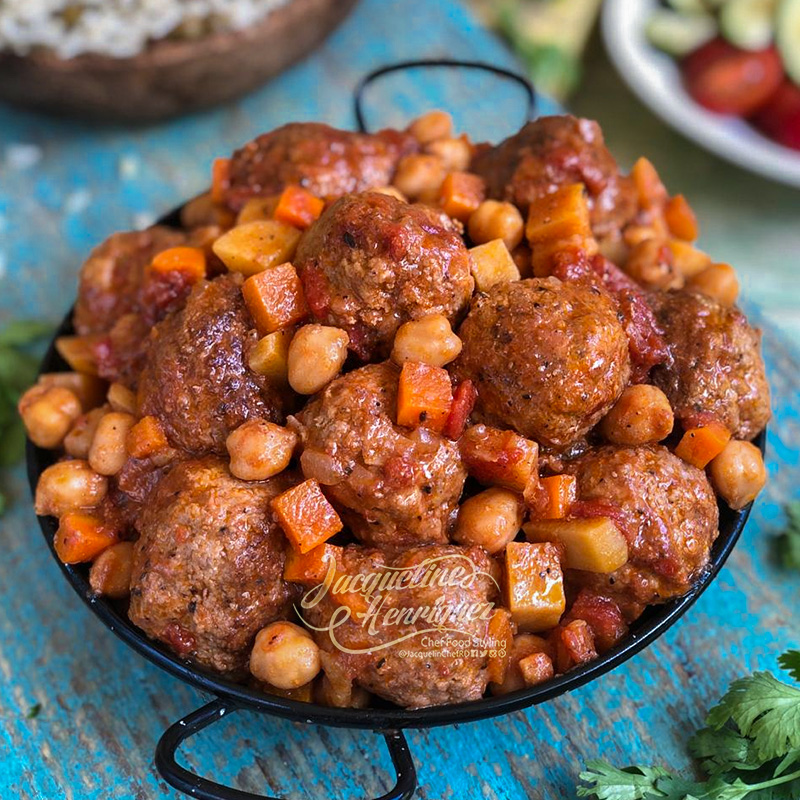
column 372, row 262
column 326, row 161
column 395, row 487
column 196, row 379
column 716, row 367
column 665, row 508
column 548, row 359
column 112, row 275
column 552, row 152
column 402, row 652
column 208, row 566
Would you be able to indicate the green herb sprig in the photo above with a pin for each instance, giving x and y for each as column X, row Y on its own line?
column 789, row 540
column 750, row 748
column 17, row 373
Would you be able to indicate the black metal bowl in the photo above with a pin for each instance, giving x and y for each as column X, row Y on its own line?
column 385, row 718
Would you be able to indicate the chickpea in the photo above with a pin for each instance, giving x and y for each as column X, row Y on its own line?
column 738, row 473
column 456, row 154
column 431, row 126
column 718, row 281
column 641, row 415
column 260, row 449
column 110, row 574
column 316, row 355
column 78, row 441
column 121, row 398
column 419, row 175
column 490, row 519
column 495, row 220
column 392, row 191
column 651, row 264
column 429, row 340
column 108, row 453
column 48, row 413
column 284, row 655
column 69, row 486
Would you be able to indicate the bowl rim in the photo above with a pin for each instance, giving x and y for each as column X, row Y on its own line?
column 655, row 621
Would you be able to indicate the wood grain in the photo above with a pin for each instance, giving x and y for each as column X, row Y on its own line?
column 103, row 707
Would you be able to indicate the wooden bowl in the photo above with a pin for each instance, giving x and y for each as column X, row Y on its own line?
column 170, row 77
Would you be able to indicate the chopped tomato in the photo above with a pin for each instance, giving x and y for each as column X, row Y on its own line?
column 780, row 117
column 728, row 80
column 464, row 399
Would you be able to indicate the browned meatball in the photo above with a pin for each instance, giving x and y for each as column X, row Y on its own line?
column 426, row 668
column 372, row 262
column 665, row 508
column 548, row 359
column 112, row 275
column 196, row 379
column 208, row 566
column 552, row 152
column 326, row 161
column 716, row 366
column 396, row 487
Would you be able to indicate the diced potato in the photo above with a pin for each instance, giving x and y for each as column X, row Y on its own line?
column 534, row 585
column 594, row 544
column 491, row 263
column 270, row 356
column 121, row 398
column 306, row 516
column 557, row 221
column 89, row 389
column 78, row 352
column 310, row 568
column 258, row 208
column 499, row 458
column 255, row 246
column 536, row 668
column 275, row 298
column 461, row 193
column 688, row 260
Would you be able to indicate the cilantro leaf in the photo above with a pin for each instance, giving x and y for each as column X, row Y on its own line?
column 765, row 710
column 24, row 331
column 789, row 541
column 3, row 504
column 610, row 783
column 723, row 750
column 12, row 443
column 790, row 661
column 33, row 711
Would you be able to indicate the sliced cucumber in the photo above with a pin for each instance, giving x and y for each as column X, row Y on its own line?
column 680, row 34
column 787, row 36
column 748, row 24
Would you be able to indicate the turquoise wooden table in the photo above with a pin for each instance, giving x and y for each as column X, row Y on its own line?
column 65, row 186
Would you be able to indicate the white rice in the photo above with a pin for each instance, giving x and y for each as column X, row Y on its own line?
column 119, row 28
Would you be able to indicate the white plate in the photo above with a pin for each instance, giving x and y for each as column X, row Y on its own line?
column 655, row 78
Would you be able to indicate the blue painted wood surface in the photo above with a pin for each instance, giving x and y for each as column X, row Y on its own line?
column 103, row 707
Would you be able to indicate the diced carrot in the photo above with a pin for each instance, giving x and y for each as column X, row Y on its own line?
column 146, row 438
column 191, row 261
column 499, row 458
column 310, row 568
column 275, row 298
column 220, row 179
column 306, row 516
column 558, row 493
column 680, row 218
column 79, row 352
column 500, row 634
column 464, row 399
column 700, row 445
column 461, row 193
column 650, row 190
column 298, row 207
column 536, row 668
column 82, row 537
column 424, row 396
column 558, row 221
